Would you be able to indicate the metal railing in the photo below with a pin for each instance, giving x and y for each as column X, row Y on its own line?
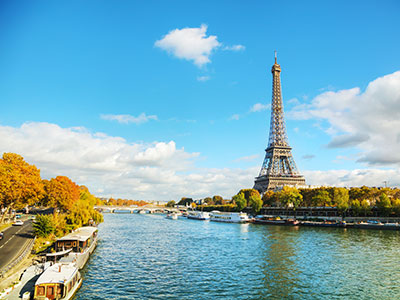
column 27, row 249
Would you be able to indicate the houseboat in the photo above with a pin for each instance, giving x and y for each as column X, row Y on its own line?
column 229, row 217
column 172, row 216
column 60, row 281
column 198, row 215
column 82, row 241
column 260, row 219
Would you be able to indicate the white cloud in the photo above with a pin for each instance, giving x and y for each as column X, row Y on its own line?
column 126, row 119
column 111, row 166
column 259, row 107
column 190, row 43
column 368, row 121
column 235, row 48
column 353, row 178
column 234, row 117
column 203, row 78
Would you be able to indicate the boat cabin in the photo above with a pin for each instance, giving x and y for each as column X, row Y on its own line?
column 60, row 281
column 78, row 241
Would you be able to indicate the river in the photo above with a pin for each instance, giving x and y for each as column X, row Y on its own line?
column 151, row 257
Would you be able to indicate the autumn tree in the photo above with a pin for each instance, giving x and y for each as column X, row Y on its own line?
column 20, row 182
column 61, row 192
column 170, row 203
column 185, row 201
column 217, row 200
column 289, row 196
column 269, row 198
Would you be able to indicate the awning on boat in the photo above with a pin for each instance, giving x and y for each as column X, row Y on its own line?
column 59, row 253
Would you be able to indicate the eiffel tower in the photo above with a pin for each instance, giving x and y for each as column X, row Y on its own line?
column 278, row 168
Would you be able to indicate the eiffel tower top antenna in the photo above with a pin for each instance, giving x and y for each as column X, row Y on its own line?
column 275, row 57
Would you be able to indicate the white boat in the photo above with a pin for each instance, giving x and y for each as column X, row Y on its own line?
column 172, row 216
column 229, row 217
column 198, row 215
column 60, row 281
column 82, row 241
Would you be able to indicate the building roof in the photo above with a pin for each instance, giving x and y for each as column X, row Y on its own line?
column 81, row 234
column 57, row 273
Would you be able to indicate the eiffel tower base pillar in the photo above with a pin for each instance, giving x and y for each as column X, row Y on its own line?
column 265, row 183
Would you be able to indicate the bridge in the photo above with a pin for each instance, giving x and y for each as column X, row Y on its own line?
column 146, row 209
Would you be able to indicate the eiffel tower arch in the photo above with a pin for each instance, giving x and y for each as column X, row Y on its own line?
column 278, row 168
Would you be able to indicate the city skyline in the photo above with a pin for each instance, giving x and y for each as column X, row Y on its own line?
column 148, row 101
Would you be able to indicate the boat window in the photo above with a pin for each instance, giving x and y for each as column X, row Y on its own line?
column 40, row 290
column 50, row 290
column 69, row 286
column 59, row 289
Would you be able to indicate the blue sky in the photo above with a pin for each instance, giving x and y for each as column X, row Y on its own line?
column 155, row 99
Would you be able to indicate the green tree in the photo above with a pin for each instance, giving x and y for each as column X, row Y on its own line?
column 396, row 206
column 384, row 205
column 170, row 203
column 255, row 203
column 341, row 199
column 240, row 201
column 322, row 198
column 290, row 196
column 355, row 206
column 43, row 225
column 365, row 207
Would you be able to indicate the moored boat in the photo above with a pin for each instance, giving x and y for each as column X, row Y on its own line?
column 172, row 216
column 229, row 217
column 198, row 215
column 260, row 219
column 82, row 241
column 60, row 281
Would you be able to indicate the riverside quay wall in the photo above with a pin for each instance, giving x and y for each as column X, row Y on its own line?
column 328, row 213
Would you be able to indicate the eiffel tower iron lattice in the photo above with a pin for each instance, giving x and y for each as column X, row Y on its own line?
column 278, row 168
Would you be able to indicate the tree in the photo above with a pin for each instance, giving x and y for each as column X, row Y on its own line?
column 269, row 198
column 240, row 201
column 290, row 196
column 322, row 198
column 185, row 201
column 20, row 182
column 61, row 192
column 170, row 203
column 365, row 206
column 217, row 200
column 255, row 203
column 396, row 206
column 82, row 211
column 43, row 225
column 341, row 199
column 208, row 200
column 383, row 204
column 355, row 206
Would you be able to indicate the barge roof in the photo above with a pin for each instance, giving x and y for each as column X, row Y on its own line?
column 57, row 273
column 81, row 234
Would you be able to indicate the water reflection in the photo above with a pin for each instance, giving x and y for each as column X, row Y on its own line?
column 278, row 266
